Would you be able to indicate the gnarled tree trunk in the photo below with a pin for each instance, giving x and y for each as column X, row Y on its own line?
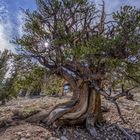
column 85, row 106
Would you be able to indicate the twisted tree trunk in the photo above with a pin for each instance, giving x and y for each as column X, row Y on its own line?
column 85, row 106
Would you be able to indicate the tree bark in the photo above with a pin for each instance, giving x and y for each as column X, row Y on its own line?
column 94, row 113
column 86, row 107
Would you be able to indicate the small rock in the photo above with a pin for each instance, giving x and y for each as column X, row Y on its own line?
column 63, row 138
column 47, row 135
column 23, row 139
column 19, row 133
column 28, row 135
column 64, row 132
column 93, row 132
column 137, row 108
column 109, row 129
column 137, row 137
column 53, row 138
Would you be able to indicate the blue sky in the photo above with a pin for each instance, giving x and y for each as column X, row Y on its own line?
column 11, row 20
column 11, row 16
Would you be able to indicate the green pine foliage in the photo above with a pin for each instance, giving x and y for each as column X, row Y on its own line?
column 7, row 90
column 31, row 77
column 72, row 29
column 53, row 85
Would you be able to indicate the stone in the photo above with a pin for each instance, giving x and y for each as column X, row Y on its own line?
column 28, row 135
column 23, row 138
column 19, row 133
column 63, row 138
column 137, row 108
column 93, row 131
column 53, row 138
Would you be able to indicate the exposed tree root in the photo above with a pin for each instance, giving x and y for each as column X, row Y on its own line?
column 71, row 111
column 85, row 110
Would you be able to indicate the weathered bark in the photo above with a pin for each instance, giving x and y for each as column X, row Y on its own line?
column 85, row 107
column 94, row 113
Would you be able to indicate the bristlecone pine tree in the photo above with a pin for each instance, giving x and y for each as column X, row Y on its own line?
column 74, row 40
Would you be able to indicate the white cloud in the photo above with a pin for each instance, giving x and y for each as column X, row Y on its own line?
column 5, row 39
column 5, row 28
column 20, row 18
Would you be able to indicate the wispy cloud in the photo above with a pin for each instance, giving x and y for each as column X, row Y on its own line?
column 3, row 38
column 21, row 21
column 6, row 27
column 11, row 18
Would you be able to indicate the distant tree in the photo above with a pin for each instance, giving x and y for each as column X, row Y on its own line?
column 7, row 78
column 53, row 85
column 33, row 79
column 75, row 41
column 29, row 78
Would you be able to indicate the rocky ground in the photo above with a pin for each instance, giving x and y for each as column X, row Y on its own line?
column 14, row 127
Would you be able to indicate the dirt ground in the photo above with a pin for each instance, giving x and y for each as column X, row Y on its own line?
column 13, row 128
